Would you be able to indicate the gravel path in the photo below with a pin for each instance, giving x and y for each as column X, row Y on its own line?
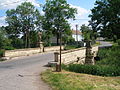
column 24, row 73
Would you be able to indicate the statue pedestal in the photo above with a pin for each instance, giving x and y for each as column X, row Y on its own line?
column 41, row 47
column 89, row 55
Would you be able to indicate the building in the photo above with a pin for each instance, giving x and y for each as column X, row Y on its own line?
column 77, row 35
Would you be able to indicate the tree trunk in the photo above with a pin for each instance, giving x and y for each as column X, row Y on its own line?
column 26, row 40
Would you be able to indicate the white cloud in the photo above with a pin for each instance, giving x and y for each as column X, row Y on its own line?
column 80, row 11
column 9, row 4
column 2, row 21
column 81, row 17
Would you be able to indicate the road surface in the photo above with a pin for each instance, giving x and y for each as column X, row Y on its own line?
column 104, row 44
column 24, row 73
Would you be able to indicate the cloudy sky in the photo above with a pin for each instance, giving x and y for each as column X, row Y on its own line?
column 83, row 7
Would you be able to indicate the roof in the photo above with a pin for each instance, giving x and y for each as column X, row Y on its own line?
column 76, row 32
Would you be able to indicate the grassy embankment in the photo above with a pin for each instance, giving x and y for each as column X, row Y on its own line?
column 74, row 81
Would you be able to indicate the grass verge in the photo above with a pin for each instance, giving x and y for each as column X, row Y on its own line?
column 74, row 81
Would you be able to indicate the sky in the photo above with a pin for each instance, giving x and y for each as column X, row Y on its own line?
column 83, row 8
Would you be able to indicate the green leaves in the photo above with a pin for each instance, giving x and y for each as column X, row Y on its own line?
column 22, row 20
column 88, row 33
column 106, row 17
column 57, row 12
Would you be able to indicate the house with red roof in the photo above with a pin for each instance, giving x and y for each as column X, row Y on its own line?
column 77, row 35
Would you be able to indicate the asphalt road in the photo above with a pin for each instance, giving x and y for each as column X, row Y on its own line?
column 24, row 73
column 104, row 44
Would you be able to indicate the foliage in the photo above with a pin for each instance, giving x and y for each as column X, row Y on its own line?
column 2, row 51
column 57, row 12
column 4, row 41
column 46, row 35
column 9, row 48
column 105, row 18
column 34, row 39
column 118, row 41
column 88, row 33
column 100, row 70
column 17, row 43
column 110, row 56
column 22, row 20
column 73, row 81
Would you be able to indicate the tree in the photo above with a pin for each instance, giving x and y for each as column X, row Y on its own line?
column 22, row 20
column 105, row 18
column 57, row 12
column 88, row 33
column 4, row 41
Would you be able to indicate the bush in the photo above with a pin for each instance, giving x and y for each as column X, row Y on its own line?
column 9, row 48
column 2, row 52
column 118, row 41
column 94, row 69
column 109, row 56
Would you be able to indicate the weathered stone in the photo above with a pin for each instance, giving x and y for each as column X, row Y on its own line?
column 29, row 51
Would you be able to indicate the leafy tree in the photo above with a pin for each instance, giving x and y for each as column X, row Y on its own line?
column 46, row 35
column 105, row 18
column 22, row 20
column 88, row 33
column 34, row 39
column 57, row 12
column 4, row 41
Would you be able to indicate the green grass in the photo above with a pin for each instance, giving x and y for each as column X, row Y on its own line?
column 74, row 81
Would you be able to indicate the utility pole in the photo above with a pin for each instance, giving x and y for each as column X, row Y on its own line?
column 77, row 34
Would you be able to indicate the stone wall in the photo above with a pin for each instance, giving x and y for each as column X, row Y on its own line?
column 30, row 51
column 76, row 55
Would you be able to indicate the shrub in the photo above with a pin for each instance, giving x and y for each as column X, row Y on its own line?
column 9, row 48
column 118, row 41
column 94, row 69
column 110, row 56
column 2, row 52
